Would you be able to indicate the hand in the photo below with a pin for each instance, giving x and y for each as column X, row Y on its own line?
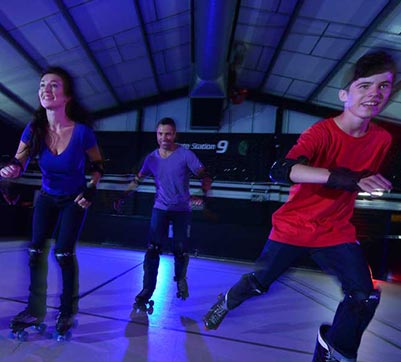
column 374, row 183
column 81, row 201
column 197, row 202
column 10, row 171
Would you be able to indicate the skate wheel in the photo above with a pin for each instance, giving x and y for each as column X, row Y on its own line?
column 40, row 328
column 12, row 335
column 63, row 337
column 22, row 336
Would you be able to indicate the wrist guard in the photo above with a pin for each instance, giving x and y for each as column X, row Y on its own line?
column 16, row 162
column 97, row 166
column 345, row 179
column 90, row 192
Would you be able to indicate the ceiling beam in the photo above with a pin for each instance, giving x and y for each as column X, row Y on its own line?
column 16, row 99
column 27, row 57
column 147, row 44
column 233, row 30
column 82, row 41
column 371, row 28
column 141, row 103
column 283, row 39
column 24, row 54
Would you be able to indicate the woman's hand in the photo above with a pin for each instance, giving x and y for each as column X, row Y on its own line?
column 11, row 171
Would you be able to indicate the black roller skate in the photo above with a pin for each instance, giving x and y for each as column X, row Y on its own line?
column 143, row 303
column 64, row 322
column 182, row 288
column 216, row 313
column 324, row 352
column 25, row 320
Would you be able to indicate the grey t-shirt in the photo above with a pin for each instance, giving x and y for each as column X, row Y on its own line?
column 172, row 176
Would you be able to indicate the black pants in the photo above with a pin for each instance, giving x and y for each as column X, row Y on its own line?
column 61, row 218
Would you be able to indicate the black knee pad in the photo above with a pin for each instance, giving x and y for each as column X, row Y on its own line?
column 364, row 303
column 248, row 286
column 153, row 251
column 180, row 255
column 65, row 259
column 181, row 261
column 34, row 256
column 254, row 285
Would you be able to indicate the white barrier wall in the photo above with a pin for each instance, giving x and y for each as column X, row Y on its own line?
column 248, row 117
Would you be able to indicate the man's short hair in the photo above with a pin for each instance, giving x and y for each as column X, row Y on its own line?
column 372, row 63
column 166, row 121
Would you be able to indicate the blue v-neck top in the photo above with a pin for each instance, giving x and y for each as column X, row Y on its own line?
column 64, row 174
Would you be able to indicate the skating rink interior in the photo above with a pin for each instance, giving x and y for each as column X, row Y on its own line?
column 279, row 326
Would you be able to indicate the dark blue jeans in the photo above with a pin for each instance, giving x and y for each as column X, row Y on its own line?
column 57, row 217
column 158, row 236
column 181, row 225
column 348, row 264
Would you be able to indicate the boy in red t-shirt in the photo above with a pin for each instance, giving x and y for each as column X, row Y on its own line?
column 331, row 161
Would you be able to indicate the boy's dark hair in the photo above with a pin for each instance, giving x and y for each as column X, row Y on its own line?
column 166, row 121
column 369, row 64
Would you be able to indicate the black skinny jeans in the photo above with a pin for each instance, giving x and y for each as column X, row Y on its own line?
column 57, row 217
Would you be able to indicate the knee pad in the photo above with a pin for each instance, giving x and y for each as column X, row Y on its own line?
column 181, row 261
column 153, row 251
column 182, row 257
column 65, row 259
column 180, row 249
column 254, row 285
column 248, row 286
column 34, row 256
column 363, row 302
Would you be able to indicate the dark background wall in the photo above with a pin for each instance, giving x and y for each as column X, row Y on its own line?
column 228, row 228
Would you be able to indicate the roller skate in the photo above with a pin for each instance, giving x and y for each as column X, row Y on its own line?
column 216, row 313
column 143, row 303
column 324, row 352
column 182, row 288
column 25, row 320
column 64, row 322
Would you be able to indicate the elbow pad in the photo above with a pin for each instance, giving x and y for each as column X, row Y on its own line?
column 281, row 169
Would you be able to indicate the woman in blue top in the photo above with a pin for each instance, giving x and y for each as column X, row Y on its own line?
column 61, row 138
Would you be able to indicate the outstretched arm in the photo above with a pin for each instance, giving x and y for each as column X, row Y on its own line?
column 18, row 164
column 340, row 178
column 133, row 185
column 206, row 180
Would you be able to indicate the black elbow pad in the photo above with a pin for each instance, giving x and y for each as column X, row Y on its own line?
column 280, row 171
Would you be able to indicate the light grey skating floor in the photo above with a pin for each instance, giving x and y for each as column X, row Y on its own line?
column 277, row 327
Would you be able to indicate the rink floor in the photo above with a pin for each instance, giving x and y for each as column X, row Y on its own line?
column 279, row 326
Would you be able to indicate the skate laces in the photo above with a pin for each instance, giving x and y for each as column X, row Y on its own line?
column 219, row 310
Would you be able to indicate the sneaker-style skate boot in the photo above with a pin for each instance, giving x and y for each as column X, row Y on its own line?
column 64, row 322
column 326, row 353
column 216, row 313
column 182, row 288
column 143, row 303
column 25, row 320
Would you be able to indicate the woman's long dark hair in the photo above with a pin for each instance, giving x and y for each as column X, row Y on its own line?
column 73, row 110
